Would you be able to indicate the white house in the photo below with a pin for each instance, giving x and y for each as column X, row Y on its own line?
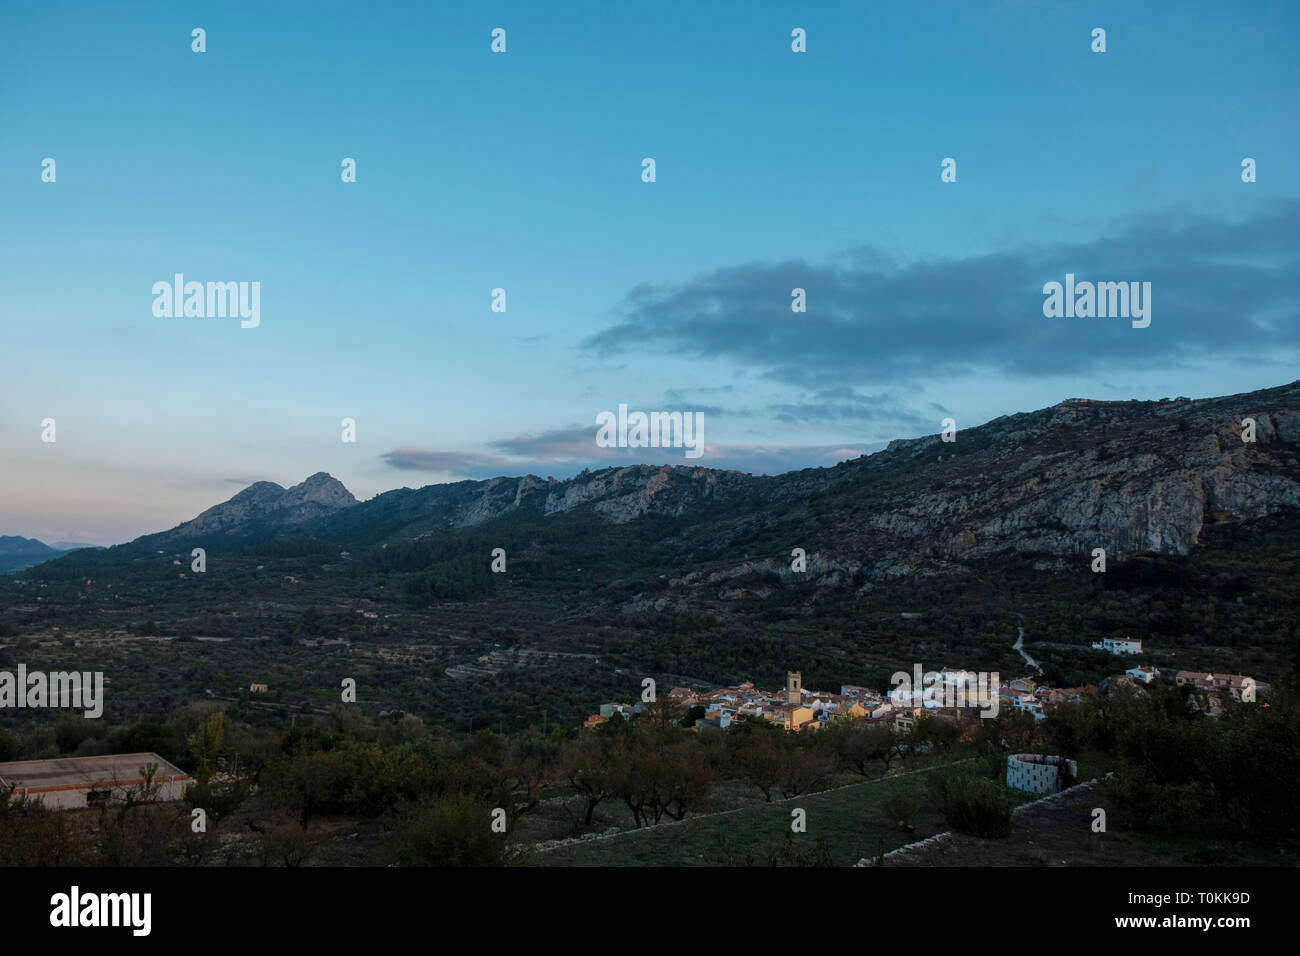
column 1116, row 645
column 1145, row 674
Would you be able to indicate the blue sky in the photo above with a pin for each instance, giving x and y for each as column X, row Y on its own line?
column 522, row 171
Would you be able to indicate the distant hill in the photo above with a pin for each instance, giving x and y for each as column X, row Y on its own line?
column 17, row 553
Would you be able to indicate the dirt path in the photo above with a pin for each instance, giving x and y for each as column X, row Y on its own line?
column 1046, row 833
column 1019, row 645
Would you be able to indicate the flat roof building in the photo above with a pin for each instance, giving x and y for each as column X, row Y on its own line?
column 68, row 783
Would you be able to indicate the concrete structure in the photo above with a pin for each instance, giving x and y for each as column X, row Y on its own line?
column 1145, row 674
column 1040, row 773
column 69, row 783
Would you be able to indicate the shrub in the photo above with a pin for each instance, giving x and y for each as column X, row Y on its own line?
column 972, row 804
column 453, row 832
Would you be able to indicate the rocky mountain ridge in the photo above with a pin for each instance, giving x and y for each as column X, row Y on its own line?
column 1125, row 476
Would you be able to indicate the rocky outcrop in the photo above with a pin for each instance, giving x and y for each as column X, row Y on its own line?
column 1125, row 476
column 266, row 503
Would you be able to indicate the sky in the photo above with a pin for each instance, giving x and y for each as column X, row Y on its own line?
column 522, row 170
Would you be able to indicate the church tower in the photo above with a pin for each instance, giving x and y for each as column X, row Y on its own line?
column 793, row 687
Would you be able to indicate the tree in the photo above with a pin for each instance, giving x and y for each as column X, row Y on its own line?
column 936, row 732
column 1070, row 728
column 758, row 756
column 682, row 781
column 805, row 768
column 585, row 765
column 452, row 832
column 206, row 746
column 858, row 745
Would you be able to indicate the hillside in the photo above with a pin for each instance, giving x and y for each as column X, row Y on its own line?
column 687, row 572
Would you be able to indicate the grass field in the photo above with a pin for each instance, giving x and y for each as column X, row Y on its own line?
column 851, row 822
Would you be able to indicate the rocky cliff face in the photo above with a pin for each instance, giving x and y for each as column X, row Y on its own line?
column 1125, row 476
column 267, row 503
column 617, row 495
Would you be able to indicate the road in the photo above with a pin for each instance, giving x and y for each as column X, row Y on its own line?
column 1019, row 646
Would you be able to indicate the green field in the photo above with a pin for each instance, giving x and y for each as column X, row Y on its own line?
column 852, row 821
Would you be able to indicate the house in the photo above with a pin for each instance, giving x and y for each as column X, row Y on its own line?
column 1030, row 704
column 69, row 783
column 1235, row 684
column 1145, row 674
column 257, row 688
column 905, row 718
column 854, row 711
column 791, row 716
column 1116, row 645
column 720, row 715
column 1077, row 695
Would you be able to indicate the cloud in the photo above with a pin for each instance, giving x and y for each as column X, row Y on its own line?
column 561, row 444
column 443, row 462
column 777, row 459
column 754, row 459
column 844, row 404
column 1217, row 288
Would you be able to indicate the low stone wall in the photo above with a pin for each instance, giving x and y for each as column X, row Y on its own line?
column 948, row 835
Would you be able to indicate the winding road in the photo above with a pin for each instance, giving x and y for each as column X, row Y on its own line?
column 1019, row 646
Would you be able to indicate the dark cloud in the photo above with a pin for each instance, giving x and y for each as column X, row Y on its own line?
column 1217, row 288
column 444, row 462
column 561, row 444
column 844, row 404
column 755, row 459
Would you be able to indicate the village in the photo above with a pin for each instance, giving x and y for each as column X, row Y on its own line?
column 942, row 694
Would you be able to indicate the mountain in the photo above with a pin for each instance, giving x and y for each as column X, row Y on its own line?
column 1127, row 476
column 17, row 553
column 266, row 507
column 927, row 551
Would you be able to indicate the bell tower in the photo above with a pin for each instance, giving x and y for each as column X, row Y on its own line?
column 793, row 687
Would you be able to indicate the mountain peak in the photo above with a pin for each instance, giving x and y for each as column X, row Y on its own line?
column 321, row 489
column 267, row 503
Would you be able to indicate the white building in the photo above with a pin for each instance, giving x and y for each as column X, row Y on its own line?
column 1145, row 674
column 68, row 783
column 1117, row 645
